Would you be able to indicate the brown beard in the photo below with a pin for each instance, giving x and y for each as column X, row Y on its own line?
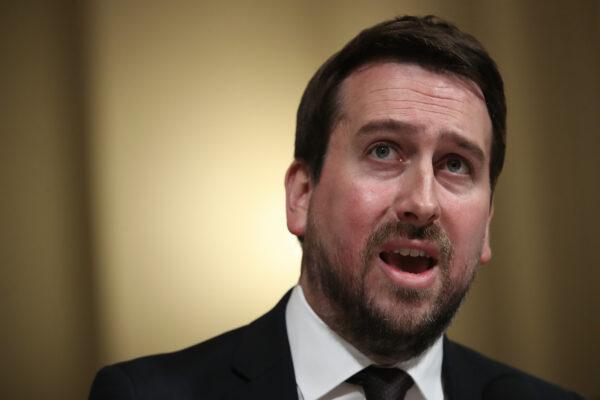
column 351, row 312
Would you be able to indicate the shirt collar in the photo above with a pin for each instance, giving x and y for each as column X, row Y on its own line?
column 323, row 360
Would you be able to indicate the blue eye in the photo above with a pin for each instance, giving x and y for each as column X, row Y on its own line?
column 382, row 151
column 457, row 166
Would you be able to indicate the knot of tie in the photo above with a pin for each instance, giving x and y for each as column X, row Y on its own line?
column 382, row 383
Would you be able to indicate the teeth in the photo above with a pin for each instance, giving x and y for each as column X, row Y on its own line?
column 415, row 253
column 410, row 252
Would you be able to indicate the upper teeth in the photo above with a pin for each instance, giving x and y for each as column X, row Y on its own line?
column 410, row 252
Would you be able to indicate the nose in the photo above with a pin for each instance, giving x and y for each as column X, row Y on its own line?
column 417, row 202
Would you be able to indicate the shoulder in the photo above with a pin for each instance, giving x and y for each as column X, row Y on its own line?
column 476, row 376
column 224, row 366
column 182, row 374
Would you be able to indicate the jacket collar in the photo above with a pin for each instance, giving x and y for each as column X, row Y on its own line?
column 263, row 358
column 453, row 371
column 467, row 375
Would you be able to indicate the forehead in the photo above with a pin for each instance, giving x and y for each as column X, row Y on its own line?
column 415, row 95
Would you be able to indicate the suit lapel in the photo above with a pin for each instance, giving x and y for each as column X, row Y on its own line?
column 263, row 358
column 463, row 379
column 455, row 386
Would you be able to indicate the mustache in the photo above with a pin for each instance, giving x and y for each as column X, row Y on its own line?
column 431, row 233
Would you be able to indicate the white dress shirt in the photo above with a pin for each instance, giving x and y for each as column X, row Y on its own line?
column 323, row 360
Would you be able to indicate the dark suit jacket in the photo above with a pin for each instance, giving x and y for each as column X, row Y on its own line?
column 254, row 362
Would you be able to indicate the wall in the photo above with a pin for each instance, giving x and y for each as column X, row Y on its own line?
column 48, row 334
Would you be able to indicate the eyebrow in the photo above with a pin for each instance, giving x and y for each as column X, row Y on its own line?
column 387, row 125
column 395, row 126
column 465, row 144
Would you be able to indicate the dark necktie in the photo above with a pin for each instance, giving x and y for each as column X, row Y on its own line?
column 382, row 383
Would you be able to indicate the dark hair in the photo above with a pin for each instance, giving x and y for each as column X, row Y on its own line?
column 427, row 41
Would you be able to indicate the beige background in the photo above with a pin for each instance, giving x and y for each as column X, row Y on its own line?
column 143, row 147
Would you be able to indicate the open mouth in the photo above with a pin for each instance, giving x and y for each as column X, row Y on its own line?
column 413, row 261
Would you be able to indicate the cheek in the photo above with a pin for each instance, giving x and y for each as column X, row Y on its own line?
column 353, row 210
column 365, row 206
column 466, row 225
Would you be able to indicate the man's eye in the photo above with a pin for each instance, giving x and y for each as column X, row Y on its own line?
column 457, row 166
column 382, row 151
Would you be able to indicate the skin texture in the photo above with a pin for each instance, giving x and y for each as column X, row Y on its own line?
column 407, row 165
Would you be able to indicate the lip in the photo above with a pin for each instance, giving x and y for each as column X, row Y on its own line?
column 429, row 248
column 422, row 280
column 406, row 279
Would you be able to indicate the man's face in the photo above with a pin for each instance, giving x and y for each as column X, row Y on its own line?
column 398, row 221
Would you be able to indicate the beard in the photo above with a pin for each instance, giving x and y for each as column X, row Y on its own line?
column 386, row 335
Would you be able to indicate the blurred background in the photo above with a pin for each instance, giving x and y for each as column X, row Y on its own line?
column 142, row 154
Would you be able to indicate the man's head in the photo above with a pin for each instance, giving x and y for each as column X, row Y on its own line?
column 399, row 143
column 429, row 42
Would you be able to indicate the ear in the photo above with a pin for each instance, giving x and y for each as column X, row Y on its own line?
column 486, row 252
column 298, row 189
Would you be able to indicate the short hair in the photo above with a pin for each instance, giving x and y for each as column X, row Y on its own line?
column 429, row 42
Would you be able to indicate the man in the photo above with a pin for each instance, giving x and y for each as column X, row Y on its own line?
column 400, row 140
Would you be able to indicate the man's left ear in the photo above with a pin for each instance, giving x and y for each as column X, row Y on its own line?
column 298, row 189
column 486, row 252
